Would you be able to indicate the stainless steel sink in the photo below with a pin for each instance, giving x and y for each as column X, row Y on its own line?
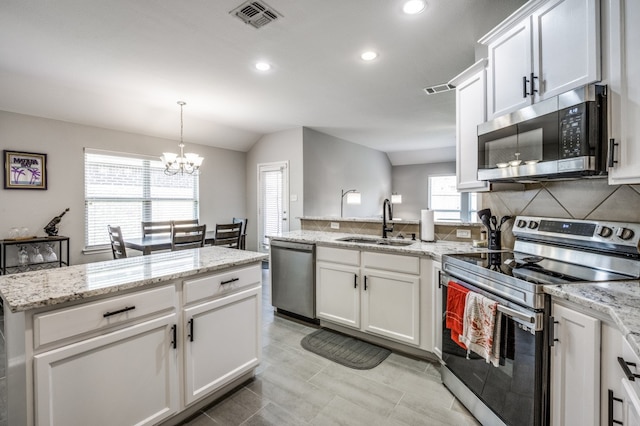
column 377, row 241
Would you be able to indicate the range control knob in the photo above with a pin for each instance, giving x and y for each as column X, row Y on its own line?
column 604, row 231
column 624, row 233
column 533, row 224
column 521, row 223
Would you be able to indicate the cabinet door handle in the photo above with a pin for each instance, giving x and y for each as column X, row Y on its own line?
column 232, row 280
column 119, row 311
column 626, row 370
column 365, row 283
column 439, row 278
column 612, row 398
column 174, row 335
column 611, row 157
column 533, row 84
column 190, row 322
column 355, row 280
column 524, row 86
column 552, row 331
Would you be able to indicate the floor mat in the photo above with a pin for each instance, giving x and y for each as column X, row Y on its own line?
column 345, row 350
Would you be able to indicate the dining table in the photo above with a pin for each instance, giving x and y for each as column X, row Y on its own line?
column 156, row 242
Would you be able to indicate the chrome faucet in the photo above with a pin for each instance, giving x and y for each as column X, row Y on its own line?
column 386, row 208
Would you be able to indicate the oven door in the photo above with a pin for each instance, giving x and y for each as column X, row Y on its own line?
column 515, row 392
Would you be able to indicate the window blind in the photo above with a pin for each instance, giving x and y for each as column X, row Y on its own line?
column 125, row 189
column 271, row 203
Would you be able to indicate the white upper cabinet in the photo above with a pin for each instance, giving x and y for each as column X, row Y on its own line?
column 471, row 100
column 510, row 68
column 623, row 56
column 544, row 49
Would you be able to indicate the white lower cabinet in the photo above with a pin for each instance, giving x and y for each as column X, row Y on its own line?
column 338, row 293
column 575, row 362
column 390, row 305
column 127, row 377
column 626, row 400
column 379, row 295
column 138, row 358
column 221, row 341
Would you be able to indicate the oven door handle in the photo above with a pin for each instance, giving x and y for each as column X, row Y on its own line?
column 513, row 313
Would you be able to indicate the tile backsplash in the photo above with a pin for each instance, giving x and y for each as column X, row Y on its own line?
column 577, row 199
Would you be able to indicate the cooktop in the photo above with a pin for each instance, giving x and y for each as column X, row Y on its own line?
column 536, row 269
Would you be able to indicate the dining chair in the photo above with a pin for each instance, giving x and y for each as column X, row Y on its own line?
column 117, row 242
column 243, row 232
column 156, row 227
column 187, row 237
column 228, row 235
column 185, row 223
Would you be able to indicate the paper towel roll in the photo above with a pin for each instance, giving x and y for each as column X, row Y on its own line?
column 426, row 225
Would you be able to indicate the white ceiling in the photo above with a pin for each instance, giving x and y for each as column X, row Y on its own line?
column 123, row 64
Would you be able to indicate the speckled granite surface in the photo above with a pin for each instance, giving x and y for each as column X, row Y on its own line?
column 418, row 248
column 21, row 292
column 620, row 300
column 379, row 220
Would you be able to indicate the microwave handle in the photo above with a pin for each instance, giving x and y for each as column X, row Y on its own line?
column 611, row 158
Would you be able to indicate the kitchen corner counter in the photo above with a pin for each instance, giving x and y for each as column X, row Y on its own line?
column 434, row 250
column 29, row 290
column 619, row 300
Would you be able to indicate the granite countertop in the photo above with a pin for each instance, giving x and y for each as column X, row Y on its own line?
column 434, row 250
column 619, row 300
column 29, row 290
column 379, row 220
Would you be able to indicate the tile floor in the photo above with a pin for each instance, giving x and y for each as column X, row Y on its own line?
column 295, row 387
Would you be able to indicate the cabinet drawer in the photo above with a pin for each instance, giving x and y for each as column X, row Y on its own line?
column 336, row 255
column 391, row 262
column 61, row 324
column 224, row 282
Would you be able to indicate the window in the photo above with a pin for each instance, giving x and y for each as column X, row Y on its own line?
column 125, row 190
column 447, row 203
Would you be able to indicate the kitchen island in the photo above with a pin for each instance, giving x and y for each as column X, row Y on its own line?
column 144, row 340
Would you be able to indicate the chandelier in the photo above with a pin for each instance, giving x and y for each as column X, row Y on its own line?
column 181, row 163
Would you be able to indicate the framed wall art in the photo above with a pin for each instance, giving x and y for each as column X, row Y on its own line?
column 25, row 170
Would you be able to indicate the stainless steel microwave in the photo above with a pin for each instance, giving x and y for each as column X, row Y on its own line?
column 563, row 137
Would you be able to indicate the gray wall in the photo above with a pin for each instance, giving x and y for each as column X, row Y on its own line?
column 412, row 182
column 279, row 146
column 332, row 164
column 222, row 184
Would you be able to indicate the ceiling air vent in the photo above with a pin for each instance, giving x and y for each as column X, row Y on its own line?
column 256, row 13
column 439, row 88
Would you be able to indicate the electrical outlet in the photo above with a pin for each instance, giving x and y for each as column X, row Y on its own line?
column 335, row 225
column 463, row 233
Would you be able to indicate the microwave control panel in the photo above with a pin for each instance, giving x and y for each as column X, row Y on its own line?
column 575, row 131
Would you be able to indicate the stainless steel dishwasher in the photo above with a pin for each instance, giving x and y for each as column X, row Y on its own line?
column 293, row 278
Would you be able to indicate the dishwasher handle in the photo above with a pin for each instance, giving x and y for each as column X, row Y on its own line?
column 288, row 245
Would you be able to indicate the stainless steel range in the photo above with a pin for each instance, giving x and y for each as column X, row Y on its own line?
column 546, row 251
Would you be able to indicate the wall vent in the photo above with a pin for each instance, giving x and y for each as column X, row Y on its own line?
column 256, row 13
column 438, row 88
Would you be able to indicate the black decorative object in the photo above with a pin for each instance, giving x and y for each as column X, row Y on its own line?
column 52, row 227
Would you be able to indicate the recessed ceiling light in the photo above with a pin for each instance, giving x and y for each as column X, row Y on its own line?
column 263, row 66
column 413, row 7
column 369, row 55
